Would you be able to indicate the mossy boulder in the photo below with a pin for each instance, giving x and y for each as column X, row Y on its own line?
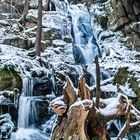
column 117, row 17
column 123, row 76
column 9, row 79
column 18, row 41
column 51, row 33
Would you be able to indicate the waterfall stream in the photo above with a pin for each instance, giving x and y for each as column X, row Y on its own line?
column 27, row 110
column 85, row 48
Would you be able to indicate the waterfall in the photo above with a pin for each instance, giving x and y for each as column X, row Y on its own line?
column 28, row 86
column 85, row 48
column 27, row 111
column 24, row 111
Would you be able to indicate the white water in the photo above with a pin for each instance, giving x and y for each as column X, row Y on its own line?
column 28, row 134
column 83, row 34
column 24, row 111
column 28, row 86
column 27, row 110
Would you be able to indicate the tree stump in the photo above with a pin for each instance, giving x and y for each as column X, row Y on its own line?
column 86, row 120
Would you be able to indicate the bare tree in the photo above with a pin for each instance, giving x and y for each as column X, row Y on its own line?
column 25, row 12
column 39, row 29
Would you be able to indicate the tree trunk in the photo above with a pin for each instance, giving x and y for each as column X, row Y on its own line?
column 25, row 12
column 39, row 29
column 97, row 82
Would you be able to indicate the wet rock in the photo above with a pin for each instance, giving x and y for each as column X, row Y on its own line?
column 39, row 106
column 9, row 79
column 7, row 107
column 6, row 126
column 63, row 69
column 42, row 86
column 42, row 107
column 68, row 39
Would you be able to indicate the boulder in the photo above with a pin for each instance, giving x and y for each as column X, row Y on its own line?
column 9, row 79
column 18, row 41
column 58, row 43
column 42, row 86
column 6, row 126
column 32, row 15
column 55, row 26
column 117, row 16
column 125, row 76
column 51, row 33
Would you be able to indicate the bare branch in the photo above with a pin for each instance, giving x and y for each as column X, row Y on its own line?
column 97, row 82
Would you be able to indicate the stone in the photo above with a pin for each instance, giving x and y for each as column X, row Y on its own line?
column 6, row 8
column 18, row 41
column 101, row 18
column 51, row 34
column 6, row 126
column 9, row 79
column 118, row 15
column 32, row 15
column 58, row 43
column 42, row 86
column 124, row 76
column 120, row 23
column 42, row 108
column 68, row 39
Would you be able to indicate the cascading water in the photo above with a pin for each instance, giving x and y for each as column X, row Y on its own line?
column 85, row 48
column 27, row 112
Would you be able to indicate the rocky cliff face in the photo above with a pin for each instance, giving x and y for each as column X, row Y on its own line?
column 117, row 22
column 124, row 16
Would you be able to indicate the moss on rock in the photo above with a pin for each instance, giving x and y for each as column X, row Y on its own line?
column 9, row 79
column 124, row 76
